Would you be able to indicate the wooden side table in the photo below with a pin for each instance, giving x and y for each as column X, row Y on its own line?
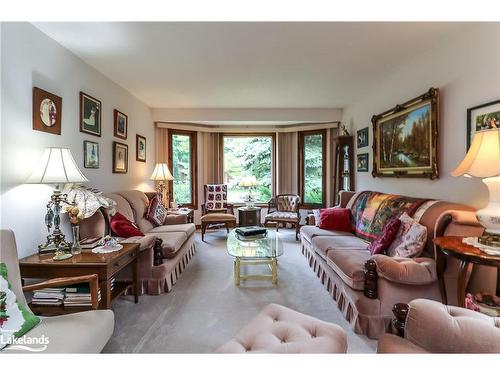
column 467, row 255
column 189, row 212
column 106, row 266
column 248, row 216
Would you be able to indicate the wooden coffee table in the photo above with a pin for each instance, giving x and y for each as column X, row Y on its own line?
column 105, row 266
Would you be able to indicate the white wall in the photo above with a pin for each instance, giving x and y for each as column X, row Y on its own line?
column 466, row 69
column 30, row 58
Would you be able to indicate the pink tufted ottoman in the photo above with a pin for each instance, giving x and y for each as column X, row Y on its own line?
column 278, row 329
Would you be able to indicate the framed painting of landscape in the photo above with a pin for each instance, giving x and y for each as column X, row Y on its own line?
column 482, row 117
column 406, row 138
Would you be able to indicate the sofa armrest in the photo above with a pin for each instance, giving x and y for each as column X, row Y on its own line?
column 411, row 271
column 344, row 197
column 145, row 242
column 173, row 219
column 392, row 344
column 449, row 329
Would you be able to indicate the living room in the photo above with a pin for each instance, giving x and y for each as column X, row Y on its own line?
column 262, row 187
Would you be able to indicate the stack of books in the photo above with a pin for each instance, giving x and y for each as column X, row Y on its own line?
column 79, row 295
column 48, row 297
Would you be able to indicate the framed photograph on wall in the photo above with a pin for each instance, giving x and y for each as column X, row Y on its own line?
column 120, row 124
column 47, row 111
column 90, row 114
column 140, row 148
column 90, row 154
column 362, row 137
column 362, row 164
column 120, row 157
column 405, row 138
column 482, row 117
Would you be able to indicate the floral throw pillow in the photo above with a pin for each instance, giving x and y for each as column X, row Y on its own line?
column 15, row 319
column 156, row 212
column 410, row 240
column 317, row 217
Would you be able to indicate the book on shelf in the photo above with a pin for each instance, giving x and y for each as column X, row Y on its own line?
column 47, row 301
column 90, row 242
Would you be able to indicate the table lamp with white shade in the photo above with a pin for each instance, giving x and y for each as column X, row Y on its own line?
column 249, row 182
column 161, row 173
column 483, row 161
column 57, row 167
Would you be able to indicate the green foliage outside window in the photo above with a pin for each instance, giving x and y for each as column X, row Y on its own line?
column 181, row 160
column 313, row 169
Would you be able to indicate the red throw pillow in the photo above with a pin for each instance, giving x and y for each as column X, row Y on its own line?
column 335, row 219
column 123, row 227
column 382, row 243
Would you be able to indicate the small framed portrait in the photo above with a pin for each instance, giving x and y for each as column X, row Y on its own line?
column 140, row 148
column 362, row 137
column 90, row 114
column 362, row 165
column 47, row 111
column 482, row 117
column 120, row 157
column 90, row 154
column 120, row 124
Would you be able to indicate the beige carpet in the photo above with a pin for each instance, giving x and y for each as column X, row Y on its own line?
column 205, row 308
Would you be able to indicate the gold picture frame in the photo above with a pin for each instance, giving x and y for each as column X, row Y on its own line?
column 405, row 142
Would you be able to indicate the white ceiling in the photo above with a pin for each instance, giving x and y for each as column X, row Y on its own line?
column 247, row 65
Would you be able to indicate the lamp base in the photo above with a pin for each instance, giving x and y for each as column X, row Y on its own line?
column 490, row 239
column 489, row 216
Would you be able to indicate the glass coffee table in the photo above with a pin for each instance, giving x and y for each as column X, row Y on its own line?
column 255, row 251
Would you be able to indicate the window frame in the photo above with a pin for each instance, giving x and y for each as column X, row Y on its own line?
column 194, row 165
column 300, row 164
column 273, row 161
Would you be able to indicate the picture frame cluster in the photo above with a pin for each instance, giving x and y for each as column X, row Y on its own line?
column 47, row 117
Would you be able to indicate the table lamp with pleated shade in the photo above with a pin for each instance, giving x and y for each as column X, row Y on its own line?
column 483, row 161
column 57, row 167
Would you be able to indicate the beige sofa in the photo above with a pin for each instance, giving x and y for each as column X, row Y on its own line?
column 83, row 332
column 430, row 327
column 366, row 287
column 165, row 250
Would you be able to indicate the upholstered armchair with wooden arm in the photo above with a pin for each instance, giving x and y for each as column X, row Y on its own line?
column 426, row 326
column 284, row 208
column 81, row 332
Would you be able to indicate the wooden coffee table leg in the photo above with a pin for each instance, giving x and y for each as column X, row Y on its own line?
column 135, row 278
column 106, row 294
column 462, row 282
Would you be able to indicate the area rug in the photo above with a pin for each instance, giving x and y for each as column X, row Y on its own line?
column 205, row 308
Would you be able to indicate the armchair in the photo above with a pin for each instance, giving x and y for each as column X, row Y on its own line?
column 82, row 332
column 216, row 211
column 284, row 208
column 426, row 326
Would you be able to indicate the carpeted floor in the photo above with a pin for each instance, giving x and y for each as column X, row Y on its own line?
column 205, row 308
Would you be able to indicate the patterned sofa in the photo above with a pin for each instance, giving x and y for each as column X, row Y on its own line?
column 366, row 287
column 165, row 250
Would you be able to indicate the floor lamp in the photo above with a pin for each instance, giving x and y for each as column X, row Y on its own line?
column 161, row 173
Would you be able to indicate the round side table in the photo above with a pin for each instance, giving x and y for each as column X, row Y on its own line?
column 248, row 216
column 467, row 255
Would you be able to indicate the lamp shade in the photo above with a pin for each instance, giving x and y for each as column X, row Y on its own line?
column 161, row 173
column 249, row 181
column 56, row 166
column 483, row 158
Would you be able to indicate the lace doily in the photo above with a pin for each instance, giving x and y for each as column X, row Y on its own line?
column 473, row 241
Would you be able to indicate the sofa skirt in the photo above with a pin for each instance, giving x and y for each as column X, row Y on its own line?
column 363, row 314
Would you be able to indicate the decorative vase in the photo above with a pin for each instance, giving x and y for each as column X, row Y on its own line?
column 75, row 247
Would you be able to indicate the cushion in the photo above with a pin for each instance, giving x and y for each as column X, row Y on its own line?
column 172, row 243
column 185, row 228
column 216, row 198
column 335, row 219
column 410, row 240
column 382, row 243
column 317, row 217
column 349, row 265
column 311, row 231
column 123, row 227
column 221, row 218
column 282, row 215
column 156, row 212
column 323, row 244
column 278, row 329
column 15, row 319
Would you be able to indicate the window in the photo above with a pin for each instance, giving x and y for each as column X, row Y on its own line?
column 182, row 158
column 245, row 157
column 312, row 167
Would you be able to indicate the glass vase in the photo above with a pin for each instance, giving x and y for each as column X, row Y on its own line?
column 75, row 247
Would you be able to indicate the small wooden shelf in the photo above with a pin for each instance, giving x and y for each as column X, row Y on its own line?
column 45, row 310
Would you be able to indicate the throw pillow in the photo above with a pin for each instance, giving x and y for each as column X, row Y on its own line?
column 382, row 243
column 123, row 227
column 410, row 240
column 15, row 319
column 317, row 218
column 335, row 219
column 156, row 212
